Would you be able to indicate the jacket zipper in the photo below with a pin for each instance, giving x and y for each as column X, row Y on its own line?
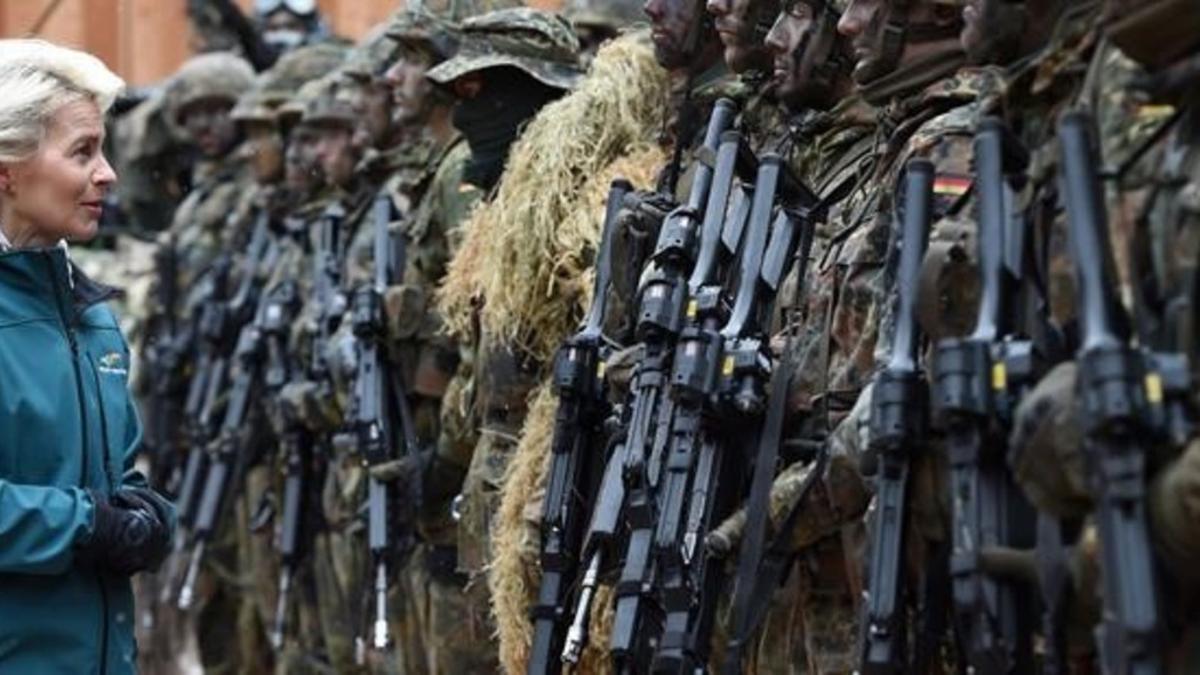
column 69, row 328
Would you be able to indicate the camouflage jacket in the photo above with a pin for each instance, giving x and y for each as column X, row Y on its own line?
column 847, row 305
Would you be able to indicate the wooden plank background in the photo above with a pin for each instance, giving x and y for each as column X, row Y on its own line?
column 146, row 40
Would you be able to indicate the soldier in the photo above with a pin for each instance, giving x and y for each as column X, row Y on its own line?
column 511, row 63
column 1147, row 131
column 288, row 24
column 257, row 112
column 830, row 137
column 153, row 159
column 903, row 69
column 204, row 92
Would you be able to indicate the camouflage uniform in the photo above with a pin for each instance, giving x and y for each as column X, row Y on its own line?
column 844, row 324
column 262, row 487
column 1152, row 217
column 152, row 158
column 202, row 232
column 480, row 438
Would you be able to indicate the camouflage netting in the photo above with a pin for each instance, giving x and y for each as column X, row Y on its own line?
column 515, row 571
column 527, row 250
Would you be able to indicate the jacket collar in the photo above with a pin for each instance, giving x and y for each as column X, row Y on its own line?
column 48, row 275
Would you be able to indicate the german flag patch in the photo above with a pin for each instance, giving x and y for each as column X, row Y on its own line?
column 951, row 185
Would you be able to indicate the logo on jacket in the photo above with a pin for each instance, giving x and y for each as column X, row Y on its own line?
column 113, row 363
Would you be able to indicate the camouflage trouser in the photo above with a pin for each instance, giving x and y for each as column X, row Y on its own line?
column 219, row 609
column 480, row 503
column 442, row 633
column 340, row 560
column 828, row 604
column 780, row 644
column 257, row 565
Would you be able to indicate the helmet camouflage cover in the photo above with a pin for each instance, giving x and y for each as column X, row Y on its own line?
column 371, row 56
column 421, row 29
column 613, row 14
column 216, row 75
column 294, row 108
column 279, row 84
column 540, row 44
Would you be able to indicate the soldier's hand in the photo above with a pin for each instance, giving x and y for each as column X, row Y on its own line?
column 642, row 212
column 618, row 370
column 822, row 503
column 1044, row 447
column 310, row 404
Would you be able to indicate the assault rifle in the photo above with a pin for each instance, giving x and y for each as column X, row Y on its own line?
column 164, row 359
column 1129, row 398
column 761, row 569
column 577, row 453
column 626, row 497
column 718, row 383
column 300, row 474
column 222, row 460
column 381, row 417
column 220, row 316
column 229, row 456
column 899, row 409
column 638, row 614
column 978, row 381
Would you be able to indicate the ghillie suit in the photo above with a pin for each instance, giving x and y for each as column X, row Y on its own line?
column 522, row 278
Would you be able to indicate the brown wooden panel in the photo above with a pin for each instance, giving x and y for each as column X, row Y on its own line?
column 146, row 40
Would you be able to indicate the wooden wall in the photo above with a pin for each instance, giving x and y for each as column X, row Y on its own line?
column 145, row 40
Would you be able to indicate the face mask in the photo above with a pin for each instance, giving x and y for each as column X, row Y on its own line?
column 492, row 120
column 299, row 7
column 283, row 40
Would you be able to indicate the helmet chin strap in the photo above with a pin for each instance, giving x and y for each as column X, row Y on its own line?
column 898, row 32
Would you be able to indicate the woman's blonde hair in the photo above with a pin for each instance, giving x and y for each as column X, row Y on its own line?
column 37, row 78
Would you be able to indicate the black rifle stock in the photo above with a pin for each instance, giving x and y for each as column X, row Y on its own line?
column 577, row 454
column 1118, row 390
column 977, row 383
column 898, row 418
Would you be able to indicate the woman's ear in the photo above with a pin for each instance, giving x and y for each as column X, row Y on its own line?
column 5, row 177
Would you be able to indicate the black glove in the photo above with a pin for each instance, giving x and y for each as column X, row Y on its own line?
column 128, row 535
column 149, row 501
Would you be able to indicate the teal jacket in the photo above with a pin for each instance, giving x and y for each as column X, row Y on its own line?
column 67, row 423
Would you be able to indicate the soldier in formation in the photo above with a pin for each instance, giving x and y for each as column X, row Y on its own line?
column 809, row 336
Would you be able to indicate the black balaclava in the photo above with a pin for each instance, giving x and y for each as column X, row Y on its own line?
column 492, row 120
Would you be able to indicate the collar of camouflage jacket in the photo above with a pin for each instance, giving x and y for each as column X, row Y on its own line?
column 913, row 77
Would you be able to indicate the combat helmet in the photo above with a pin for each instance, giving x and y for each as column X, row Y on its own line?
column 419, row 28
column 216, row 75
column 279, row 84
column 291, row 112
column 371, row 56
column 540, row 44
column 612, row 15
column 332, row 103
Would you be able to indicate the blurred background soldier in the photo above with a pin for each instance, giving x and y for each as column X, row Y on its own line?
column 598, row 21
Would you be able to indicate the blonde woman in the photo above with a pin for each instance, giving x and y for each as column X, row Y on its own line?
column 76, row 522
